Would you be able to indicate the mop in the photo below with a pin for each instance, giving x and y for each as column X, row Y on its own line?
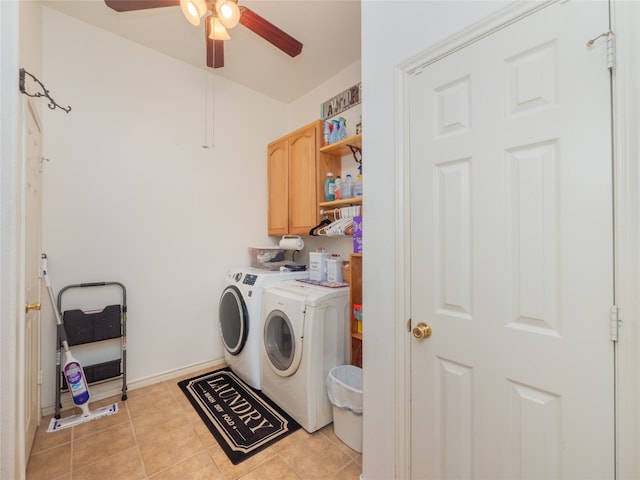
column 73, row 373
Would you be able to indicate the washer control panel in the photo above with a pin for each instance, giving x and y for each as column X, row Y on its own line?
column 250, row 279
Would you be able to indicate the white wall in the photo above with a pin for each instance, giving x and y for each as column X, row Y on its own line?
column 416, row 25
column 305, row 110
column 130, row 194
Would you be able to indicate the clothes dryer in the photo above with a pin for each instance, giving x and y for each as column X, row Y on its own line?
column 305, row 335
column 240, row 318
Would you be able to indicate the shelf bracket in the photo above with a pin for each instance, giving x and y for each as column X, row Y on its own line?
column 357, row 155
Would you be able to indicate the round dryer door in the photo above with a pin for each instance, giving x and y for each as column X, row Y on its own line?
column 282, row 345
column 234, row 320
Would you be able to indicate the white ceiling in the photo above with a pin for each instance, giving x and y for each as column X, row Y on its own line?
column 328, row 29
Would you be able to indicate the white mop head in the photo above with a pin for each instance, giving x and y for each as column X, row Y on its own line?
column 59, row 423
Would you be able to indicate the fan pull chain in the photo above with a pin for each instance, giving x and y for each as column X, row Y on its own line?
column 207, row 102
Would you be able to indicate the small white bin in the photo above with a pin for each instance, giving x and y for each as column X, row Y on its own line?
column 334, row 270
column 318, row 266
column 344, row 387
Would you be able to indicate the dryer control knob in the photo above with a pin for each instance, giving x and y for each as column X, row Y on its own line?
column 238, row 276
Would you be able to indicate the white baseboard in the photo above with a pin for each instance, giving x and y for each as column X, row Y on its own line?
column 112, row 388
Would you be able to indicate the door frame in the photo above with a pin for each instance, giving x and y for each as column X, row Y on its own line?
column 626, row 121
column 12, row 455
column 626, row 105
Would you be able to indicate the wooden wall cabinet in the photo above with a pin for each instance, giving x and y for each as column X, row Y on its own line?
column 296, row 170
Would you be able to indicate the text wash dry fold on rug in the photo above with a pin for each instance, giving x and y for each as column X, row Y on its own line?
column 249, row 415
column 241, row 419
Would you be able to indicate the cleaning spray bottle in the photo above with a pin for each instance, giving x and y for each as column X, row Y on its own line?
column 77, row 383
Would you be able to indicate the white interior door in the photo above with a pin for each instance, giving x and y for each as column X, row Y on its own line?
column 511, row 253
column 33, row 249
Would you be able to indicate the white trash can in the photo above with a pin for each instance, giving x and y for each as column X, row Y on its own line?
column 344, row 387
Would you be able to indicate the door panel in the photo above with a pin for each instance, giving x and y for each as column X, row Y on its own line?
column 33, row 249
column 303, row 214
column 278, row 187
column 511, row 253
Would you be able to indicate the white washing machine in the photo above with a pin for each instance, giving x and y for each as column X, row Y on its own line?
column 240, row 318
column 305, row 334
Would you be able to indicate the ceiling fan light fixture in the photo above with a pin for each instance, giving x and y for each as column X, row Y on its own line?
column 228, row 12
column 193, row 10
column 218, row 32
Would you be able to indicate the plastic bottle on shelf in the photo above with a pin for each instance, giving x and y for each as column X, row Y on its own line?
column 337, row 191
column 329, row 187
column 346, row 188
column 334, row 136
column 327, row 132
column 343, row 128
column 357, row 189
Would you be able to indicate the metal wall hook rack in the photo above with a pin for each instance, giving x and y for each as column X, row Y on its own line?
column 45, row 93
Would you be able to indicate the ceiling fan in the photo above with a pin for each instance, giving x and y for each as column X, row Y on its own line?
column 222, row 14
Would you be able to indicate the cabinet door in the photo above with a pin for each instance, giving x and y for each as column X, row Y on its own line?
column 303, row 211
column 278, row 187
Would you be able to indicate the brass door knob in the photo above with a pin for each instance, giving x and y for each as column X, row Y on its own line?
column 421, row 331
column 31, row 306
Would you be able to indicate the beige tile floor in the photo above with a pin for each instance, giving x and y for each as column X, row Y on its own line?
column 157, row 435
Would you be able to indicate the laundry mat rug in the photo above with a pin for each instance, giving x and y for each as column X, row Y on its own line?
column 242, row 420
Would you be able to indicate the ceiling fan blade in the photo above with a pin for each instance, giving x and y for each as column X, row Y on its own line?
column 131, row 5
column 215, row 49
column 270, row 32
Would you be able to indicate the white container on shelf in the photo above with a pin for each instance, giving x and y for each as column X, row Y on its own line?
column 334, row 269
column 318, row 266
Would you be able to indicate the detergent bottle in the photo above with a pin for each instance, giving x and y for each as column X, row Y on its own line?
column 342, row 128
column 335, row 131
column 327, row 132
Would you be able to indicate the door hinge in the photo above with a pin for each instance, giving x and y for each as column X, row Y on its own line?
column 611, row 47
column 39, row 377
column 614, row 323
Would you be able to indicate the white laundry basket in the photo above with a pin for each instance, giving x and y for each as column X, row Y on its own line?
column 344, row 387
